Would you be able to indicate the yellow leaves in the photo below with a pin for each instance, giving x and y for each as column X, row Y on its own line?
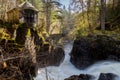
column 4, row 34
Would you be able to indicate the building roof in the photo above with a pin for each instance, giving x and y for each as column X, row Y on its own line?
column 13, row 9
column 27, row 5
column 24, row 5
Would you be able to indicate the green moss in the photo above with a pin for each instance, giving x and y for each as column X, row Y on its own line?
column 46, row 43
column 28, row 32
column 106, row 32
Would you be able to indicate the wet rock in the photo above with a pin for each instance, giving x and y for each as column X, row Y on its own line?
column 80, row 77
column 88, row 50
column 57, row 56
column 107, row 76
column 52, row 58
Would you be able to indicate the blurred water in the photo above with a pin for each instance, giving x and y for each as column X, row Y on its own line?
column 66, row 69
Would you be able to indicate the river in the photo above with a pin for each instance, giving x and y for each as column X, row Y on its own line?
column 66, row 69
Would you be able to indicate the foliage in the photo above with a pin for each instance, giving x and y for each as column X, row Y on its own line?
column 87, row 16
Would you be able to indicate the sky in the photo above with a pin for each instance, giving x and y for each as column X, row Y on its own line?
column 65, row 2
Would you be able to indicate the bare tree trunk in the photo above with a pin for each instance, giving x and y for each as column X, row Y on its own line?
column 102, row 14
column 95, row 13
column 88, row 17
column 48, row 14
column 82, row 5
column 113, row 5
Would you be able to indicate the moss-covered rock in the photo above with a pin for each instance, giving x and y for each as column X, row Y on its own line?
column 52, row 58
column 107, row 76
column 80, row 77
column 91, row 49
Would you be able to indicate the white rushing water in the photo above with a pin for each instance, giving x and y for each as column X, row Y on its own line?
column 66, row 69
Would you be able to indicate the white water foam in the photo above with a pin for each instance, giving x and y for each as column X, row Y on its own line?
column 66, row 69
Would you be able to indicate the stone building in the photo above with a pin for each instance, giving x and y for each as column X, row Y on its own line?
column 24, row 13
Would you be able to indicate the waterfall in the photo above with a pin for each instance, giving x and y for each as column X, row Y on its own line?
column 66, row 69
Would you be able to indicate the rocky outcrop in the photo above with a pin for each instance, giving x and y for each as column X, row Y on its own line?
column 80, row 77
column 52, row 58
column 107, row 76
column 91, row 49
column 57, row 56
column 102, row 76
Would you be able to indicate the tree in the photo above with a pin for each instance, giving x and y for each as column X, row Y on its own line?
column 47, row 6
column 102, row 14
column 87, row 15
column 6, row 5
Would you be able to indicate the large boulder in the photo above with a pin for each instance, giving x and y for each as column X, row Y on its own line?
column 57, row 56
column 51, row 58
column 80, row 77
column 102, row 76
column 107, row 76
column 91, row 49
